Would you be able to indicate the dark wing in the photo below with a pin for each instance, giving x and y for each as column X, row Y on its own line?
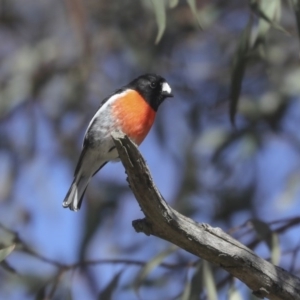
column 80, row 160
column 87, row 141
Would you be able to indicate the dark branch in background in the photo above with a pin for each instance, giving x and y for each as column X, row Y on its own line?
column 25, row 248
column 202, row 240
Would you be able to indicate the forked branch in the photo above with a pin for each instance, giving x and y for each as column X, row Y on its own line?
column 202, row 240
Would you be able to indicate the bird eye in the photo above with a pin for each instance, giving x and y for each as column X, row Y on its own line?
column 153, row 84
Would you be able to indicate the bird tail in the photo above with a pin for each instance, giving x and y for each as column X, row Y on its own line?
column 75, row 194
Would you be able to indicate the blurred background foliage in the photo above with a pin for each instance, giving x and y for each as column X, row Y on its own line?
column 224, row 60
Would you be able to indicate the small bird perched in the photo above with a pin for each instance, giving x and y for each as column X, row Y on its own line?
column 131, row 110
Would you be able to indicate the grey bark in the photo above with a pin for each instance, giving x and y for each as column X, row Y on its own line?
column 202, row 240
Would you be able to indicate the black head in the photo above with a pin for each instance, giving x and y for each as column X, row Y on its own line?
column 153, row 88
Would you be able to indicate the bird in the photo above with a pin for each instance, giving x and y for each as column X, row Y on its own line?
column 131, row 110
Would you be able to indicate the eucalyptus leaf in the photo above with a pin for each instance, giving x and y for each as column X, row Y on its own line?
column 233, row 293
column 209, row 281
column 270, row 237
column 5, row 265
column 238, row 70
column 149, row 266
column 196, row 282
column 160, row 14
column 269, row 13
column 192, row 5
column 193, row 287
column 173, row 3
column 296, row 5
column 109, row 290
column 187, row 290
column 275, row 249
column 6, row 251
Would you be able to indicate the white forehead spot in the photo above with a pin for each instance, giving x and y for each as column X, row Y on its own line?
column 166, row 88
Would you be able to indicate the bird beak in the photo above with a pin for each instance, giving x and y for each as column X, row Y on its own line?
column 166, row 90
column 167, row 95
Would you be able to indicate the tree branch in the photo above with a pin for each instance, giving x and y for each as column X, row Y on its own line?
column 202, row 240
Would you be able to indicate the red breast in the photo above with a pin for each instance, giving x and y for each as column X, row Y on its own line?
column 135, row 116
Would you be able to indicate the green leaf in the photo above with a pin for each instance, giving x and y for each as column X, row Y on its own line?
column 196, row 282
column 160, row 14
column 209, row 281
column 192, row 5
column 149, row 266
column 173, row 3
column 233, row 293
column 269, row 12
column 238, row 70
column 193, row 287
column 6, row 251
column 296, row 5
column 107, row 293
column 5, row 265
column 265, row 233
column 289, row 194
column 187, row 291
column 275, row 249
